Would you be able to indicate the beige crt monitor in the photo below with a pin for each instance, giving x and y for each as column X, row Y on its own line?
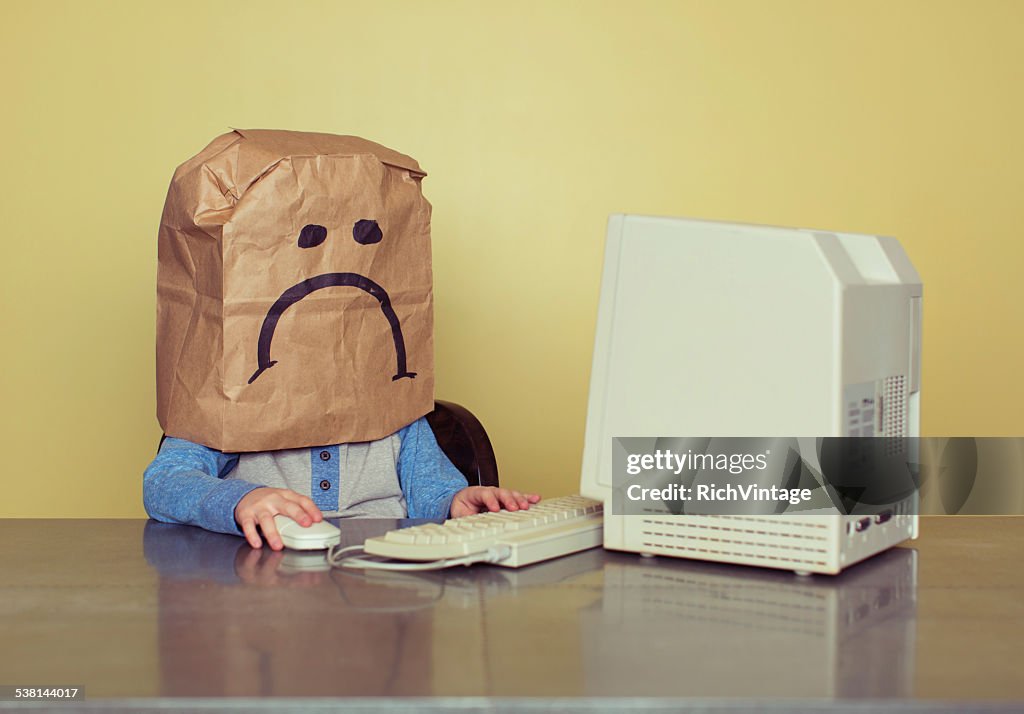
column 712, row 329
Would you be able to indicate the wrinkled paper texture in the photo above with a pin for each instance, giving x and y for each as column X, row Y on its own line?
column 294, row 293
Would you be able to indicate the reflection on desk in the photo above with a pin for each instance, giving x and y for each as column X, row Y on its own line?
column 719, row 631
column 629, row 626
column 134, row 609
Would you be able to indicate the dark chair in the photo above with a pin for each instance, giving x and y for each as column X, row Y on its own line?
column 463, row 440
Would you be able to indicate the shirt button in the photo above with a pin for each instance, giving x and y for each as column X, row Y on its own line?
column 325, row 455
column 325, row 485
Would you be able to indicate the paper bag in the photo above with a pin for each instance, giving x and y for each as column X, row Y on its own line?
column 294, row 293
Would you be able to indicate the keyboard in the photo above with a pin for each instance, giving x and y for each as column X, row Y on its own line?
column 548, row 529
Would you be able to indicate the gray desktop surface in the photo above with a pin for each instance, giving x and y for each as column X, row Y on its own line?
column 147, row 616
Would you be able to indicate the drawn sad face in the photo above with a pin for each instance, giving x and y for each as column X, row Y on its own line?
column 342, row 244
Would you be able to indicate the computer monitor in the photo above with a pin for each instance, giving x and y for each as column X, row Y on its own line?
column 709, row 329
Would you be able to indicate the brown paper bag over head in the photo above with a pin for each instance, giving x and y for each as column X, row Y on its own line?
column 294, row 293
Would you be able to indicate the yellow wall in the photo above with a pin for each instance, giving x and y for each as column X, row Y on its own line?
column 535, row 120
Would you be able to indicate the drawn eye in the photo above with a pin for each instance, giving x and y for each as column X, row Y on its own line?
column 312, row 235
column 366, row 232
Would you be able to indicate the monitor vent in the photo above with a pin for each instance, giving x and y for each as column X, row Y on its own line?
column 894, row 396
column 777, row 540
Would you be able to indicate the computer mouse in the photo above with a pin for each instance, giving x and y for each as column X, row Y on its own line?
column 318, row 536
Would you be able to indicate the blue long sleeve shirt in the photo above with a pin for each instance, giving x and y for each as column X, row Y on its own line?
column 405, row 474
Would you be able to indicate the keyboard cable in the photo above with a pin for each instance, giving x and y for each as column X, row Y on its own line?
column 352, row 557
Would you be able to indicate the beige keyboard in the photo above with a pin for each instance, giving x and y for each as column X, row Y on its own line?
column 549, row 529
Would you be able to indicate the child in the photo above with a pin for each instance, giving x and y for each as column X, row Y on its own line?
column 405, row 474
column 295, row 306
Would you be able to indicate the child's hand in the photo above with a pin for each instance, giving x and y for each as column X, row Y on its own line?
column 477, row 499
column 259, row 506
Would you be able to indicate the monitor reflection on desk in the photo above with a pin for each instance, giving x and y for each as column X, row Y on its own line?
column 714, row 631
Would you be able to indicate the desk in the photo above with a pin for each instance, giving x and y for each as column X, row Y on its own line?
column 140, row 613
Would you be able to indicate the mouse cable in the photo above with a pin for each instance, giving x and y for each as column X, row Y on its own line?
column 348, row 558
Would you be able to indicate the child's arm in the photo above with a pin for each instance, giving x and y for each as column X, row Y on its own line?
column 434, row 488
column 185, row 484
column 429, row 480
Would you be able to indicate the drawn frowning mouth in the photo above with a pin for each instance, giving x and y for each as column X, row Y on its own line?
column 329, row 280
